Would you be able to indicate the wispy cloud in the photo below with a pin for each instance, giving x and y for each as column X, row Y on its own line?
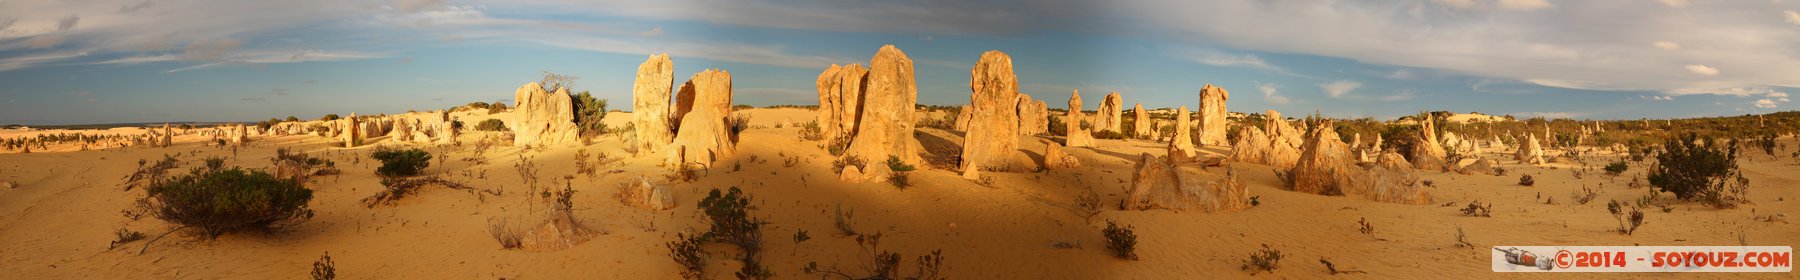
column 14, row 63
column 1271, row 94
column 1217, row 58
column 1339, row 88
column 1702, row 70
column 1555, row 44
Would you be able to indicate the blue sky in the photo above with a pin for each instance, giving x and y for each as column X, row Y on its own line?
column 76, row 61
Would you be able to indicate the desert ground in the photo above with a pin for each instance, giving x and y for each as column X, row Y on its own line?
column 59, row 215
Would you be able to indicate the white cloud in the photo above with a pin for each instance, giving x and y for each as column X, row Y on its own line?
column 1793, row 17
column 1269, row 94
column 1215, row 58
column 1339, row 88
column 1667, row 45
column 275, row 57
column 1765, row 103
column 1567, row 47
column 412, row 6
column 653, row 32
column 1524, row 5
column 1677, row 3
column 14, row 63
column 1405, row 94
column 1702, row 69
column 1777, row 94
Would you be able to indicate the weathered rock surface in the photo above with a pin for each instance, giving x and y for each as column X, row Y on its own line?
column 1212, row 116
column 1479, row 166
column 963, row 115
column 1426, row 153
column 642, row 193
column 703, row 137
column 1530, row 152
column 542, row 118
column 1056, row 158
column 560, row 231
column 1077, row 136
column 1140, row 123
column 403, row 131
column 1182, row 145
column 1033, row 116
column 240, row 134
column 168, row 136
column 1323, row 161
column 1277, row 145
column 1159, row 185
column 992, row 141
column 351, row 136
column 1107, row 117
column 1325, row 168
column 650, row 104
column 885, row 127
column 840, row 96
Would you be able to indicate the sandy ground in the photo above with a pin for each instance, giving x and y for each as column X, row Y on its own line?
column 58, row 222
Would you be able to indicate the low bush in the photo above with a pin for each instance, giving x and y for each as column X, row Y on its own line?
column 1526, row 180
column 1616, row 168
column 1121, row 241
column 884, row 264
column 1476, row 209
column 1108, row 134
column 324, row 269
column 738, row 123
column 810, row 131
column 1699, row 169
column 729, row 215
column 837, row 166
column 401, row 163
column 1265, row 260
column 491, row 125
column 1635, row 217
column 589, row 112
column 507, row 234
column 895, row 164
column 218, row 201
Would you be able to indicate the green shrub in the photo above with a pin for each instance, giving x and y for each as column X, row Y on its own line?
column 496, row 108
column 1058, row 128
column 1616, row 168
column 1401, row 139
column 218, row 201
column 729, row 213
column 589, row 113
column 1108, row 134
column 895, row 164
column 738, row 123
column 1690, row 168
column 491, row 125
column 399, row 163
column 810, row 131
column 329, row 117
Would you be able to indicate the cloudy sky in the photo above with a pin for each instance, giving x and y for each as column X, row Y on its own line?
column 87, row 61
